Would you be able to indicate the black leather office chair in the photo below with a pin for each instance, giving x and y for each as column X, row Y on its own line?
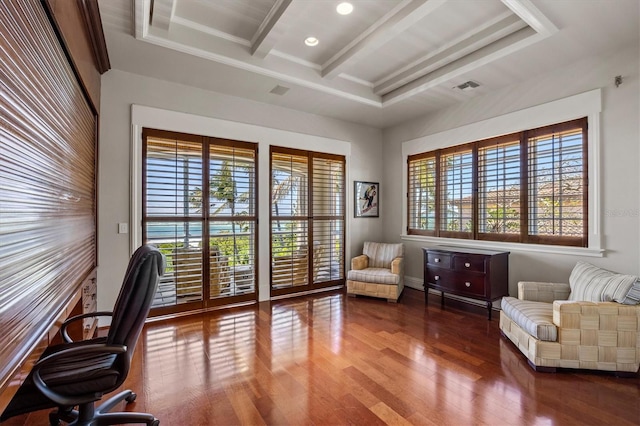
column 80, row 373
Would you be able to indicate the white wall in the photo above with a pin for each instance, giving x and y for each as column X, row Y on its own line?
column 619, row 165
column 120, row 90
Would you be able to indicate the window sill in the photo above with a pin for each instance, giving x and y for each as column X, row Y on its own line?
column 516, row 247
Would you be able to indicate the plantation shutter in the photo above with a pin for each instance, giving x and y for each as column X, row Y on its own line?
column 289, row 223
column 557, row 183
column 328, row 211
column 232, row 217
column 499, row 186
column 456, row 192
column 422, row 194
column 47, row 180
column 173, row 216
column 307, row 220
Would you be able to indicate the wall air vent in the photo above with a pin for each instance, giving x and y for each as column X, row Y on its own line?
column 469, row 85
column 279, row 90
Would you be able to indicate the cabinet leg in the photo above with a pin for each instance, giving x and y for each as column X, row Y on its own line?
column 442, row 299
column 426, row 295
column 489, row 308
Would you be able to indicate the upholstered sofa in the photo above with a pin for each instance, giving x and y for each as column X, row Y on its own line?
column 377, row 272
column 593, row 322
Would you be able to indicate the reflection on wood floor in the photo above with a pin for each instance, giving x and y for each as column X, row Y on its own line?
column 329, row 359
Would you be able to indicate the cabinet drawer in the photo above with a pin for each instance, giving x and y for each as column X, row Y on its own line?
column 456, row 282
column 441, row 278
column 468, row 263
column 441, row 260
column 470, row 284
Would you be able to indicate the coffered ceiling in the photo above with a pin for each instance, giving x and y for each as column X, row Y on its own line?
column 385, row 62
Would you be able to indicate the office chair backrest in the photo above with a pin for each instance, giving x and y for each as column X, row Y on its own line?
column 135, row 298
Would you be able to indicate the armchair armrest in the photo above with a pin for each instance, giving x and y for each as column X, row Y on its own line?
column 360, row 262
column 63, row 328
column 543, row 292
column 396, row 266
column 595, row 317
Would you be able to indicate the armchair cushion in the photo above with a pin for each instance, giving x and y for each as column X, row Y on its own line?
column 381, row 254
column 374, row 275
column 593, row 284
column 536, row 318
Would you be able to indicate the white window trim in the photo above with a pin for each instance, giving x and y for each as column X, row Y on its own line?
column 587, row 104
column 144, row 116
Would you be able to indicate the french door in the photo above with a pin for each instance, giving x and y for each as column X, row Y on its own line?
column 199, row 208
column 307, row 220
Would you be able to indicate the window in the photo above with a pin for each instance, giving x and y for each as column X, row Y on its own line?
column 528, row 187
column 199, row 208
column 307, row 220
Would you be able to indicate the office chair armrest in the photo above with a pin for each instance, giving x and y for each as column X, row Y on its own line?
column 63, row 328
column 69, row 353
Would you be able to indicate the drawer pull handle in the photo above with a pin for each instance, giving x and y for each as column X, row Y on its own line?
column 468, row 284
column 437, row 260
column 437, row 277
column 467, row 264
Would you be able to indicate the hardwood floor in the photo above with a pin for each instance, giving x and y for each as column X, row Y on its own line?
column 330, row 359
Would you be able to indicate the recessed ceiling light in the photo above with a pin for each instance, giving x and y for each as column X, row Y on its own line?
column 344, row 8
column 311, row 41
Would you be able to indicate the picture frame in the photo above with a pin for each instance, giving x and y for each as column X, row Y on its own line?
column 366, row 200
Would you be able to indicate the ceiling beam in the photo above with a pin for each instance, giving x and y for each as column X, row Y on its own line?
column 162, row 13
column 484, row 35
column 270, row 31
column 499, row 49
column 406, row 14
column 530, row 14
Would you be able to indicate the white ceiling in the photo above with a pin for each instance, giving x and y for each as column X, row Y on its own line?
column 386, row 62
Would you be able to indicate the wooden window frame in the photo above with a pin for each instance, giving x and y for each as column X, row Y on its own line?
column 524, row 235
column 206, row 218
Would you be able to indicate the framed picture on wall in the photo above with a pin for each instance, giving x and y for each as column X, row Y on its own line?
column 366, row 199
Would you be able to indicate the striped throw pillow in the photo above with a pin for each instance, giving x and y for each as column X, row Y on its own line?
column 633, row 296
column 592, row 284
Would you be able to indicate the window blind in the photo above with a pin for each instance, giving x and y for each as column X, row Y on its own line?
column 47, row 180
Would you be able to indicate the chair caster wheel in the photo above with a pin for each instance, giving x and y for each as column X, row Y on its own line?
column 131, row 398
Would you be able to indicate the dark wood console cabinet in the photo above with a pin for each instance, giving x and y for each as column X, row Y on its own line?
column 473, row 273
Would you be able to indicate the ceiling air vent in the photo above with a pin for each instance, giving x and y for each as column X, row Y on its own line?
column 279, row 90
column 469, row 85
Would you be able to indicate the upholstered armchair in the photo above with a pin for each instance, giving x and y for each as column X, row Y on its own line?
column 591, row 323
column 377, row 272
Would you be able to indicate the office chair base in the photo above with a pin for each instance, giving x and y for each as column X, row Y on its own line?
column 88, row 415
